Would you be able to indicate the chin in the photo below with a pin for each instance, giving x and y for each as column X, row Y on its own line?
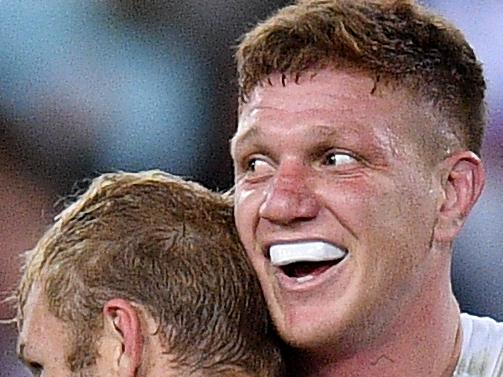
column 305, row 333
column 332, row 333
column 304, row 339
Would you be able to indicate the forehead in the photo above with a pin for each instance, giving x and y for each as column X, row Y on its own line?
column 312, row 89
column 347, row 104
column 42, row 335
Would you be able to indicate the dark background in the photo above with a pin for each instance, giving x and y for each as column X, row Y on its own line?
column 88, row 87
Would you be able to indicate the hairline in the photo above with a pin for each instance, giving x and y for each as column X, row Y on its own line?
column 447, row 126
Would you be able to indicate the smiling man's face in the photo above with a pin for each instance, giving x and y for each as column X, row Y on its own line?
column 336, row 201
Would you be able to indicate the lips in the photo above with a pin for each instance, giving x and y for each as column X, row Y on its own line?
column 305, row 260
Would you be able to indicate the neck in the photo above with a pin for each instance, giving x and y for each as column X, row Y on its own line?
column 423, row 341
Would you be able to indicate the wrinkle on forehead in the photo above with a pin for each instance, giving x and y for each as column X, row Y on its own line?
column 328, row 90
column 406, row 116
column 353, row 131
column 273, row 97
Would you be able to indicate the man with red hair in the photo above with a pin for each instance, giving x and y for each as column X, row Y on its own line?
column 356, row 164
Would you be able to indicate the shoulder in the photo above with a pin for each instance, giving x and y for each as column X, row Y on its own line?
column 482, row 349
column 486, row 328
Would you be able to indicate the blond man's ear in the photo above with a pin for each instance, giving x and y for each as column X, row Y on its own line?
column 121, row 346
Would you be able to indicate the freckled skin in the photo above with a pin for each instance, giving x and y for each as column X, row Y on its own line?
column 381, row 204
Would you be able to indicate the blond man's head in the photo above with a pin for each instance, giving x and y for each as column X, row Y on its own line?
column 168, row 249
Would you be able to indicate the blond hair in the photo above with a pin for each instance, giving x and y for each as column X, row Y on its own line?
column 169, row 245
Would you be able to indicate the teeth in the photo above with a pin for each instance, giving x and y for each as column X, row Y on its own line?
column 317, row 251
column 304, row 279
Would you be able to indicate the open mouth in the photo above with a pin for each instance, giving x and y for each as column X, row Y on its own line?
column 303, row 269
column 305, row 261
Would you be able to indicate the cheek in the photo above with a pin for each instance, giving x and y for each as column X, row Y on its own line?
column 243, row 197
column 357, row 204
column 389, row 205
column 246, row 208
column 400, row 221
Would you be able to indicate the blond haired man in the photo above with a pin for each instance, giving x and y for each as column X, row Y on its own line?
column 356, row 164
column 143, row 276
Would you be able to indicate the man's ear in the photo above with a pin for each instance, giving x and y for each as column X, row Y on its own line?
column 123, row 327
column 462, row 181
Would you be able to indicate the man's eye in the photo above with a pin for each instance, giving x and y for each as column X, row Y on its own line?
column 256, row 164
column 258, row 167
column 338, row 159
column 252, row 165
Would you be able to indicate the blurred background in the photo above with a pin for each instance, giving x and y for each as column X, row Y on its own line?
column 88, row 87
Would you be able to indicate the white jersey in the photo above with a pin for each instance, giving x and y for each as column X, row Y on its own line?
column 482, row 350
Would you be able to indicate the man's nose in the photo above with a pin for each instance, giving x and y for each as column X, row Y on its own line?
column 289, row 199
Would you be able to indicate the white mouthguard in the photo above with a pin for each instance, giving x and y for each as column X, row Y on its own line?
column 317, row 251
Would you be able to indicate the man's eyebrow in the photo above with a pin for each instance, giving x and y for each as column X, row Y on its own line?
column 254, row 132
